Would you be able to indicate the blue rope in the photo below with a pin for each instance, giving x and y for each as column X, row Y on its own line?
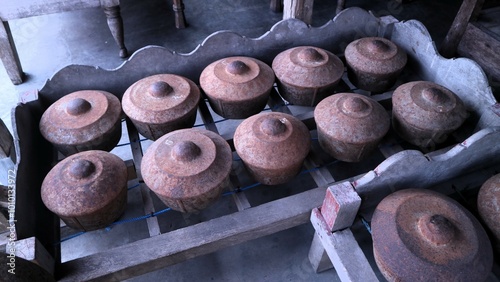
column 366, row 224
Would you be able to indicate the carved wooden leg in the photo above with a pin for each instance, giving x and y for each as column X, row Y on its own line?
column 8, row 54
column 276, row 6
column 340, row 6
column 115, row 24
column 180, row 19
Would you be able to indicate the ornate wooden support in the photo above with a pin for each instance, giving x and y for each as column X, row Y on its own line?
column 115, row 23
column 180, row 19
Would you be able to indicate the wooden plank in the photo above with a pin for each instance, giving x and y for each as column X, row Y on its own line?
column 298, row 9
column 135, row 146
column 317, row 255
column 158, row 252
column 8, row 54
column 482, row 48
column 37, row 221
column 344, row 251
column 457, row 30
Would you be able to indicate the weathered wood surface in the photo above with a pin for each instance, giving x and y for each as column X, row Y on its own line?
column 8, row 54
column 298, row 9
column 34, row 156
column 124, row 262
column 483, row 49
column 449, row 46
column 343, row 251
column 32, row 250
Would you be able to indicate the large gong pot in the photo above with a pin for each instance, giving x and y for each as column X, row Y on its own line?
column 374, row 63
column 273, row 146
column 87, row 190
column 188, row 168
column 83, row 120
column 421, row 235
column 161, row 103
column 237, row 87
column 425, row 113
column 306, row 74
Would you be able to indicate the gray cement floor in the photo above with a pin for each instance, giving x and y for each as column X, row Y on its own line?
column 48, row 43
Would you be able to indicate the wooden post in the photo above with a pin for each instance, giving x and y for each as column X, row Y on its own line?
column 340, row 6
column 457, row 30
column 298, row 9
column 115, row 24
column 8, row 54
column 343, row 250
column 276, row 5
column 180, row 19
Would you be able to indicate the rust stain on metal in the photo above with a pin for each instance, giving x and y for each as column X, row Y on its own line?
column 306, row 74
column 237, row 87
column 425, row 113
column 273, row 146
column 83, row 120
column 350, row 126
column 488, row 203
column 161, row 103
column 421, row 235
column 188, row 168
column 374, row 63
column 87, row 190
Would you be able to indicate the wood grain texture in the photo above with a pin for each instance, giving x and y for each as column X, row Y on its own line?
column 483, row 49
column 457, row 30
column 124, row 262
column 298, row 9
column 8, row 54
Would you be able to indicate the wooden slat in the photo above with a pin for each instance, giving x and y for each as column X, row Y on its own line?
column 239, row 198
column 158, row 252
column 135, row 146
column 8, row 54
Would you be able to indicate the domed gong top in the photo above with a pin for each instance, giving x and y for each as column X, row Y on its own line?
column 421, row 235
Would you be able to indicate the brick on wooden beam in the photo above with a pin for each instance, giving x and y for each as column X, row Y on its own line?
column 32, row 250
column 340, row 206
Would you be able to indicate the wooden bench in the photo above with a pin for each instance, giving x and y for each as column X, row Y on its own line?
column 19, row 9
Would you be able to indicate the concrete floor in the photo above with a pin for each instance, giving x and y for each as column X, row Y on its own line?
column 48, row 43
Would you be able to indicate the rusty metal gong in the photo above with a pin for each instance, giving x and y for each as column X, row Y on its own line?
column 237, row 87
column 272, row 146
column 425, row 113
column 83, row 120
column 161, row 103
column 488, row 204
column 350, row 126
column 188, row 168
column 88, row 190
column 421, row 235
column 374, row 63
column 306, row 74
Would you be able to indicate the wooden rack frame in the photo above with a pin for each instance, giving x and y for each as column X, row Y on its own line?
column 41, row 227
